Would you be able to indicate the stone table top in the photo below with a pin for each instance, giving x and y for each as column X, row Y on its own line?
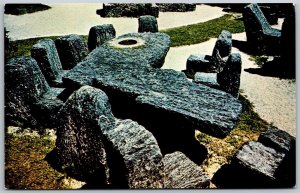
column 130, row 71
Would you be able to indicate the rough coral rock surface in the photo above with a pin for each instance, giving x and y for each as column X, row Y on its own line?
column 137, row 152
column 96, row 148
column 180, row 172
column 128, row 71
column 45, row 53
column 71, row 50
column 100, row 34
column 25, row 89
column 80, row 150
column 147, row 23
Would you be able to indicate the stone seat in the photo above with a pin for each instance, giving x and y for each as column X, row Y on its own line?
column 94, row 146
column 29, row 100
column 266, row 163
column 45, row 53
column 260, row 35
column 213, row 63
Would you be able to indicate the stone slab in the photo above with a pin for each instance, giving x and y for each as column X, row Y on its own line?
column 130, row 74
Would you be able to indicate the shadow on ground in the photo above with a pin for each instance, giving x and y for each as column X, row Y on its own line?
column 274, row 68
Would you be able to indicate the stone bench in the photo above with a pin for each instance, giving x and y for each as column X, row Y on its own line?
column 222, row 70
column 214, row 63
column 128, row 10
column 260, row 35
column 176, row 7
column 29, row 101
column 266, row 163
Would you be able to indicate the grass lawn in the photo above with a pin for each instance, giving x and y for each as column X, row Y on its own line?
column 201, row 32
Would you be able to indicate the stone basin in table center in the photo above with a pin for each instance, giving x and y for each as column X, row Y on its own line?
column 131, row 75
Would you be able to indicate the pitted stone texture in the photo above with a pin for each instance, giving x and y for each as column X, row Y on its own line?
column 260, row 158
column 208, row 79
column 214, row 63
column 260, row 35
column 24, row 84
column 129, row 74
column 277, row 139
column 229, row 78
column 25, row 89
column 223, row 44
column 253, row 166
column 45, row 53
column 199, row 63
column 94, row 147
column 176, row 7
column 71, row 50
column 181, row 172
column 133, row 148
column 147, row 23
column 283, row 142
column 99, row 34
column 128, row 10
column 80, row 150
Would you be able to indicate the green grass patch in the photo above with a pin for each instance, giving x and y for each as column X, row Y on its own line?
column 25, row 167
column 201, row 32
column 20, row 48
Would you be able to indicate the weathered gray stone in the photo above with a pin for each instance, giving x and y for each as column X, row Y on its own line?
column 45, row 53
column 208, row 79
column 133, row 148
column 100, row 34
column 71, row 50
column 80, row 150
column 128, row 10
column 229, row 77
column 277, row 139
column 127, row 73
column 260, row 35
column 147, row 23
column 180, row 172
column 283, row 142
column 25, row 89
column 176, row 7
column 150, row 49
column 253, row 166
column 214, row 63
column 223, row 44
column 199, row 63
column 93, row 146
